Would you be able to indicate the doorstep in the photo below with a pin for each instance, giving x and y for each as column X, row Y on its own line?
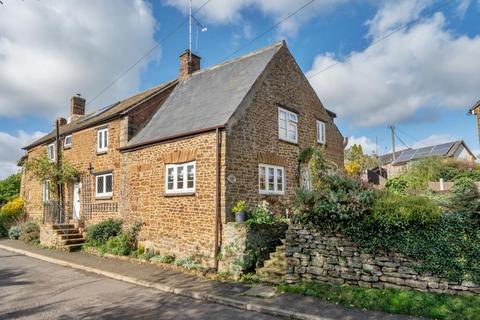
column 176, row 282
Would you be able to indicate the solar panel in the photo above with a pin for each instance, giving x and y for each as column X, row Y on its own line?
column 422, row 152
column 405, row 156
column 442, row 149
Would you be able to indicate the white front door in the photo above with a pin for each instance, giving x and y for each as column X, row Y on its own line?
column 76, row 200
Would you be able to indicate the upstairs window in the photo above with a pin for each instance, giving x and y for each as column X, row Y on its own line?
column 287, row 125
column 180, row 178
column 271, row 179
column 67, row 142
column 102, row 140
column 51, row 152
column 321, row 132
column 104, row 185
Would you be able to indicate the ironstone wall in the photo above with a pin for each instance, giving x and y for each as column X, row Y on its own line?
column 316, row 255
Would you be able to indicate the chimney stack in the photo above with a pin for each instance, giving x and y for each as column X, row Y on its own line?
column 77, row 108
column 188, row 67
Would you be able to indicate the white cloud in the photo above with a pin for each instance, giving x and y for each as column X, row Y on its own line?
column 424, row 67
column 232, row 11
column 11, row 145
column 368, row 145
column 433, row 140
column 50, row 50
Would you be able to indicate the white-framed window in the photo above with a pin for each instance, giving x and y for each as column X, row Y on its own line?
column 67, row 142
column 51, row 152
column 271, row 179
column 180, row 178
column 102, row 140
column 46, row 191
column 321, row 137
column 287, row 125
column 104, row 185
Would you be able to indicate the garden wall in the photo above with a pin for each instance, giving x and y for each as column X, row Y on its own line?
column 316, row 255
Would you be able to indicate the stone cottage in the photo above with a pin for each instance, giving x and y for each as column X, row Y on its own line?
column 178, row 156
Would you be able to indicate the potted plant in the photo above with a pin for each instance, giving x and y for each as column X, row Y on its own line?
column 240, row 210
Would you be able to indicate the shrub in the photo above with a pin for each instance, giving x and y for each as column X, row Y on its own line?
column 465, row 197
column 397, row 185
column 99, row 234
column 30, row 232
column 394, row 211
column 261, row 215
column 165, row 258
column 14, row 232
column 11, row 213
column 9, row 188
column 125, row 243
column 188, row 263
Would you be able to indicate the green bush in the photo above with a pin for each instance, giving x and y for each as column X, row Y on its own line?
column 99, row 234
column 188, row 263
column 9, row 188
column 261, row 215
column 10, row 214
column 391, row 211
column 397, row 185
column 14, row 232
column 125, row 243
column 339, row 200
column 30, row 232
column 163, row 258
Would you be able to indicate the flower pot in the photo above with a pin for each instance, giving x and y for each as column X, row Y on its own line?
column 241, row 216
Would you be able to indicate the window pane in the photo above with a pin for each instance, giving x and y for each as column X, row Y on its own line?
column 99, row 184
column 292, row 117
column 190, row 176
column 292, row 134
column 99, row 137
column 108, row 183
column 282, row 115
column 261, row 178
column 271, row 179
column 105, row 138
column 170, row 176
column 180, row 171
column 279, row 180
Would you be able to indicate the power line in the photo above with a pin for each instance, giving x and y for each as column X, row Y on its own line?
column 383, row 38
column 400, row 139
column 271, row 28
column 408, row 135
column 121, row 75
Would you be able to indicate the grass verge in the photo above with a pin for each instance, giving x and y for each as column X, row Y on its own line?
column 415, row 303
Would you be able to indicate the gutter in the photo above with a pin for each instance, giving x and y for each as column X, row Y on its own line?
column 144, row 144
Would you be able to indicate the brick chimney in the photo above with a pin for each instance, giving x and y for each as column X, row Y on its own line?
column 77, row 108
column 188, row 67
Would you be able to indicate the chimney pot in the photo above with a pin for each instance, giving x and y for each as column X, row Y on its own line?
column 188, row 67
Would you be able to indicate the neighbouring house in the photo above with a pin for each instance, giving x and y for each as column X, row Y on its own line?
column 394, row 166
column 180, row 155
column 475, row 110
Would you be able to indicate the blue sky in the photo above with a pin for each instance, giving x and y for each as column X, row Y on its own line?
column 422, row 78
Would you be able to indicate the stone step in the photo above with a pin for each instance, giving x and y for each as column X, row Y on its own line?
column 63, row 226
column 275, row 264
column 67, row 231
column 73, row 241
column 277, row 256
column 71, row 236
column 71, row 247
column 270, row 272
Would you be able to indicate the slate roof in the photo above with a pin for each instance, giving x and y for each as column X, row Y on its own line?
column 207, row 99
column 103, row 114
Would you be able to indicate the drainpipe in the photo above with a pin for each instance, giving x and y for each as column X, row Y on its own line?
column 218, row 220
column 58, row 155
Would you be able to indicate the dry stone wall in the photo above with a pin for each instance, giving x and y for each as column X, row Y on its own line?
column 316, row 255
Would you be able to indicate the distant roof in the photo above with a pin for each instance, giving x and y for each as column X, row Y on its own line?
column 475, row 106
column 100, row 115
column 447, row 149
column 208, row 98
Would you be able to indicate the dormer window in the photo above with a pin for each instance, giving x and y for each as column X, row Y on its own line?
column 102, row 140
column 287, row 125
column 51, row 152
column 67, row 142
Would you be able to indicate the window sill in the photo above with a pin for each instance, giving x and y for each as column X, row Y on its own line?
column 102, row 152
column 179, row 194
column 67, row 147
column 266, row 193
column 103, row 197
column 289, row 141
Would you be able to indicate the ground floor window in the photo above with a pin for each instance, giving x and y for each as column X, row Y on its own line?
column 180, row 178
column 46, row 191
column 104, row 185
column 271, row 179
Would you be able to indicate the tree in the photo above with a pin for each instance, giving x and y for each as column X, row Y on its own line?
column 357, row 162
column 9, row 188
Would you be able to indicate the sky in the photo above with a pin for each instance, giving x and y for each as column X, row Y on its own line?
column 414, row 64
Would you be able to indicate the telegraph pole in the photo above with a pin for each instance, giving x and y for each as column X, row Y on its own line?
column 392, row 129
